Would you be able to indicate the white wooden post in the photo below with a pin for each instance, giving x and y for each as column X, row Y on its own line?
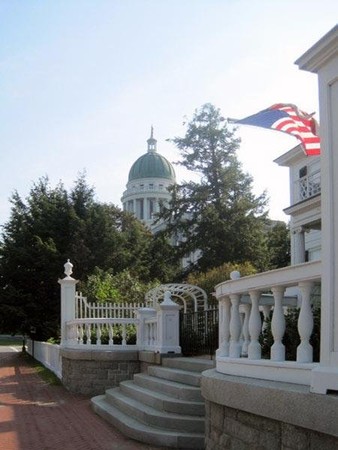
column 168, row 326
column 322, row 59
column 298, row 246
column 67, row 304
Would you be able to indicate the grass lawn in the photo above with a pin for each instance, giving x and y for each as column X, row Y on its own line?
column 47, row 375
column 10, row 340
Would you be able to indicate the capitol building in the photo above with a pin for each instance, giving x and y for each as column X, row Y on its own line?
column 148, row 182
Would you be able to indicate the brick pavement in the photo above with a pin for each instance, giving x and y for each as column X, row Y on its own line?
column 38, row 416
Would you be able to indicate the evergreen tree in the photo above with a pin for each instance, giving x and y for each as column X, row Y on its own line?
column 217, row 215
column 278, row 243
column 46, row 229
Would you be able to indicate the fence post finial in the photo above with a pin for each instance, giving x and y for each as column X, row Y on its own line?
column 167, row 299
column 235, row 275
column 67, row 303
column 68, row 268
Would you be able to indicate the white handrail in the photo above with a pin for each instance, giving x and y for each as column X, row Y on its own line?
column 241, row 302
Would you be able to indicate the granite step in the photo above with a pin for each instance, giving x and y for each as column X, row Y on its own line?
column 189, row 364
column 162, row 407
column 174, row 374
column 173, row 388
column 144, row 433
column 151, row 416
column 162, row 402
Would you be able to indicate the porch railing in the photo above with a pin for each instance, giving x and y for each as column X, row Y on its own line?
column 241, row 302
column 116, row 326
column 150, row 335
column 308, row 186
column 102, row 331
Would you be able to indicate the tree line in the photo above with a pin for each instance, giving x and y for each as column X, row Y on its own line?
column 217, row 217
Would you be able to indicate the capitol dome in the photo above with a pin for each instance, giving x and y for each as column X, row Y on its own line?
column 151, row 165
column 148, row 182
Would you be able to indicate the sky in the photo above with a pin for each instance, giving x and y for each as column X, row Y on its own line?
column 83, row 81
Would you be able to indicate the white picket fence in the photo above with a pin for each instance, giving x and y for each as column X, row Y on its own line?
column 47, row 354
column 108, row 324
column 107, row 310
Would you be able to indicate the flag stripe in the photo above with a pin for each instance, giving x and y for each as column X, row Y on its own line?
column 289, row 119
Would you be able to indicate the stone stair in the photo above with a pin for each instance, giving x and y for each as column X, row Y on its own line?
column 162, row 407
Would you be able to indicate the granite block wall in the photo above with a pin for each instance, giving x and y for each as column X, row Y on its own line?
column 91, row 373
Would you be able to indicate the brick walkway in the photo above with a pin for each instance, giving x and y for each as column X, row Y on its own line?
column 37, row 416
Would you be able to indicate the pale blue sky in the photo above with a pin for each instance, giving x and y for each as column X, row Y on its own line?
column 82, row 81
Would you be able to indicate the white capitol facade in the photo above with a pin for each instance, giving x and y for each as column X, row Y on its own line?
column 148, row 182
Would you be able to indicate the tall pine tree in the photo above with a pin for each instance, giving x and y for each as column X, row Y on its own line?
column 217, row 215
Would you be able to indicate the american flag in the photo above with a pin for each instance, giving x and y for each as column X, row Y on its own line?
column 289, row 119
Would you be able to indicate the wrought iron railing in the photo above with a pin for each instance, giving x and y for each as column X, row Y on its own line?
column 199, row 332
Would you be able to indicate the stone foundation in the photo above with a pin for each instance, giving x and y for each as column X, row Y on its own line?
column 92, row 372
column 250, row 414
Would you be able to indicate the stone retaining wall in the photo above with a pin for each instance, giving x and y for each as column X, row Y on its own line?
column 228, row 428
column 92, row 372
column 251, row 414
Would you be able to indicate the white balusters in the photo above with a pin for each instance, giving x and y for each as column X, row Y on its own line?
column 88, row 334
column 235, row 327
column 278, row 325
column 150, row 333
column 152, row 340
column 305, row 324
column 255, row 325
column 124, row 334
column 98, row 334
column 111, row 334
column 153, row 334
column 80, row 334
column 147, row 332
column 245, row 329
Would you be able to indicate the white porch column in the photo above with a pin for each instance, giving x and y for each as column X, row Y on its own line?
column 322, row 59
column 298, row 246
column 146, row 208
column 67, row 305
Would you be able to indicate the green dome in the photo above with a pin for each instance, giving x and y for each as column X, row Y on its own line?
column 152, row 165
